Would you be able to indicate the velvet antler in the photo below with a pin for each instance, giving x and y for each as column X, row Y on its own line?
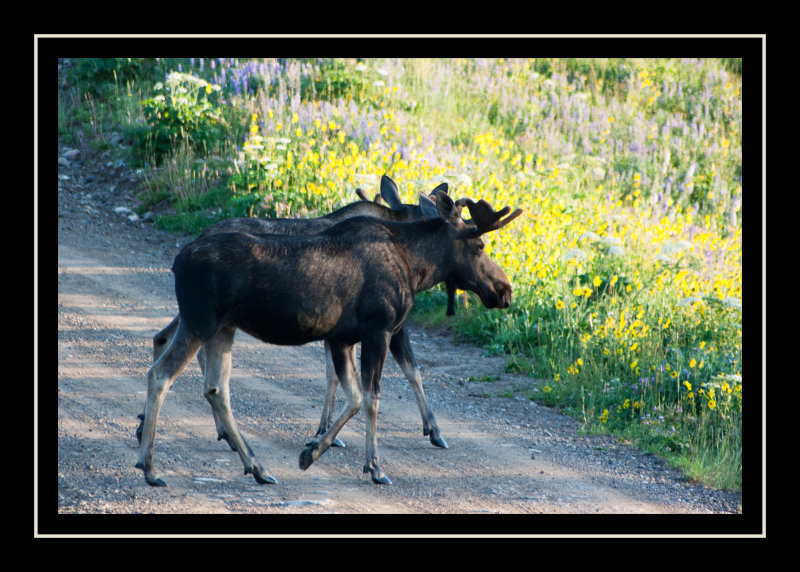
column 486, row 219
column 363, row 196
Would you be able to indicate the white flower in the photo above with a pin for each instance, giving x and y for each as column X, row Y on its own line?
column 464, row 179
column 575, row 253
column 370, row 178
column 616, row 251
column 732, row 302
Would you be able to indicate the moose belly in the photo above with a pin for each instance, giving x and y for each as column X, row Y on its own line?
column 292, row 328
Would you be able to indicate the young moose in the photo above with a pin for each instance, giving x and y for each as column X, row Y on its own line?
column 399, row 346
column 360, row 279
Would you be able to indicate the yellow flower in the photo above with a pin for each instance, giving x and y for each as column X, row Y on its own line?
column 712, row 404
column 597, row 281
column 692, row 363
column 559, row 305
column 577, row 291
column 295, row 118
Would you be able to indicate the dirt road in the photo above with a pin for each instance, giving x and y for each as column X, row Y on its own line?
column 506, row 454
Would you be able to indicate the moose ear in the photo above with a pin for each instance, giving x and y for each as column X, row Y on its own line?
column 390, row 193
column 427, row 206
column 447, row 208
column 443, row 187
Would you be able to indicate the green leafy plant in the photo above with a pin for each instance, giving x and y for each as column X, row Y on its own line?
column 185, row 108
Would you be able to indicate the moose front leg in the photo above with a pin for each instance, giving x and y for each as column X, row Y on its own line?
column 343, row 358
column 451, row 297
column 401, row 350
column 330, row 394
column 373, row 356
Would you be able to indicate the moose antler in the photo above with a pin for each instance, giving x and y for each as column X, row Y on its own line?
column 486, row 219
column 363, row 196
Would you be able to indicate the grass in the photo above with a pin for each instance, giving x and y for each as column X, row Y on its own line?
column 626, row 264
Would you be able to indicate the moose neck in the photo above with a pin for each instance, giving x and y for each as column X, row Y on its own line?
column 428, row 248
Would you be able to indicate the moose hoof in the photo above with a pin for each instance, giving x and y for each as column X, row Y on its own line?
column 307, row 456
column 261, row 477
column 151, row 479
column 437, row 440
column 155, row 481
column 378, row 476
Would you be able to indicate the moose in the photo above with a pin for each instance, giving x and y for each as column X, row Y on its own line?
column 360, row 279
column 399, row 346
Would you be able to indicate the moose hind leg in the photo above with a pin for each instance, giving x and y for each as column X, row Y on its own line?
column 160, row 343
column 401, row 350
column 159, row 378
column 217, row 373
column 162, row 339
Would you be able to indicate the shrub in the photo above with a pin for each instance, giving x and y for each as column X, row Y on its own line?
column 185, row 108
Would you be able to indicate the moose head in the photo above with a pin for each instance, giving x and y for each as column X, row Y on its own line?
column 471, row 268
